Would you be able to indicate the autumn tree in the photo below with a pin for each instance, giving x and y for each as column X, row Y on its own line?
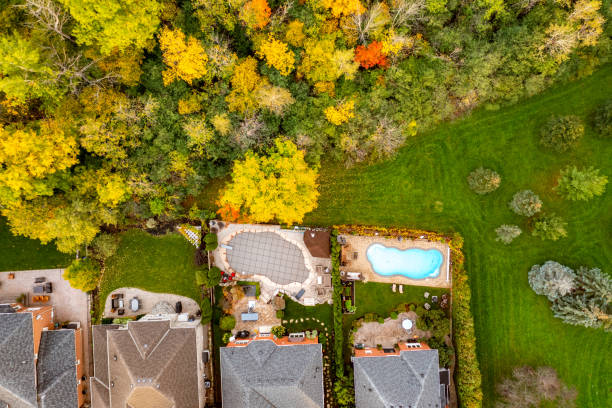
column 274, row 98
column 255, row 14
column 245, row 82
column 83, row 274
column 114, row 24
column 371, row 55
column 185, row 57
column 526, row 203
column 507, row 233
column 277, row 55
column 279, row 186
column 340, row 113
column 483, row 181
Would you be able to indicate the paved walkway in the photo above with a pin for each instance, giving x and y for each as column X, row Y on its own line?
column 70, row 305
column 390, row 332
column 147, row 301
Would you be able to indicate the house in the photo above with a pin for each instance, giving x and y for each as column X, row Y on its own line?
column 155, row 362
column 407, row 377
column 39, row 366
column 272, row 373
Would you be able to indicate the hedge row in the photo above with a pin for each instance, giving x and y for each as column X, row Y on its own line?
column 337, row 305
column 467, row 371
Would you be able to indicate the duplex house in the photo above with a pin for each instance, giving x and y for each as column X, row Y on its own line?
column 39, row 367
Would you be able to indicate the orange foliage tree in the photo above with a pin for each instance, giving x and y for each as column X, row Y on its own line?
column 256, row 14
column 371, row 55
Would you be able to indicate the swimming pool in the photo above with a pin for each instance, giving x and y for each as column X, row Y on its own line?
column 413, row 263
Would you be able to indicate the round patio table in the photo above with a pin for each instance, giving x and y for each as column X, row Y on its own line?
column 407, row 324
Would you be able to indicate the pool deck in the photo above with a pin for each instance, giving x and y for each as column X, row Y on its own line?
column 359, row 244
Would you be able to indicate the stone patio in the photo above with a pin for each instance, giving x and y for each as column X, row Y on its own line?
column 147, row 301
column 266, row 312
column 390, row 332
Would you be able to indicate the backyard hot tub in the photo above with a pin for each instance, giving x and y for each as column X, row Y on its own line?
column 413, row 263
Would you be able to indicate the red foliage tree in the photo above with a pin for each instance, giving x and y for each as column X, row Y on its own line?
column 371, row 55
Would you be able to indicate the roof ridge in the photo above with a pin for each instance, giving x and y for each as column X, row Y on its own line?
column 168, row 360
column 421, row 388
column 138, row 345
column 14, row 328
column 18, row 397
column 57, row 379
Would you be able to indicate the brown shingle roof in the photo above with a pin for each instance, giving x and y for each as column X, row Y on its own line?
column 150, row 355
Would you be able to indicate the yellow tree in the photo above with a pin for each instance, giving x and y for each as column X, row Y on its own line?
column 278, row 187
column 185, row 57
column 277, row 55
column 245, row 82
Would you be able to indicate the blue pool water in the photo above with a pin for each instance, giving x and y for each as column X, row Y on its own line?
column 413, row 263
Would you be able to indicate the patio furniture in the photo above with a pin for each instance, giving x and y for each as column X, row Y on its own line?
column 178, row 308
column 38, row 289
column 113, row 310
column 355, row 255
column 309, row 301
column 401, row 288
column 327, row 281
column 11, row 276
column 393, row 288
column 434, row 299
column 40, row 279
column 407, row 324
column 48, row 287
column 319, row 280
column 134, row 304
column 319, row 268
column 249, row 317
column 121, row 312
column 299, row 295
column 117, row 303
column 427, row 306
column 426, row 295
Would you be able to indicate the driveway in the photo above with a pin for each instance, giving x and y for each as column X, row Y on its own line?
column 71, row 305
column 147, row 301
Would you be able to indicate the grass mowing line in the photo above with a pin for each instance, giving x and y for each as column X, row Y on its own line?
column 513, row 325
column 163, row 264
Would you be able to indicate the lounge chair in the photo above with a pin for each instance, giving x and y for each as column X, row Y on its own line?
column 401, row 288
column 393, row 288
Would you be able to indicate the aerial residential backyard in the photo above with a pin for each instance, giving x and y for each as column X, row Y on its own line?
column 424, row 187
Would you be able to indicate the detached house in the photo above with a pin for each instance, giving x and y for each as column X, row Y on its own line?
column 266, row 372
column 407, row 377
column 155, row 362
column 39, row 367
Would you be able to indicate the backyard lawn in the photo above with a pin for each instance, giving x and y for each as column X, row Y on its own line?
column 425, row 186
column 155, row 263
column 19, row 253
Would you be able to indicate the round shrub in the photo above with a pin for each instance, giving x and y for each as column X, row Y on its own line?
column 226, row 337
column 393, row 315
column 381, row 320
column 507, row 233
column 279, row 331
column 526, row 203
column 602, row 120
column 207, row 311
column 483, row 181
column 83, row 274
column 561, row 133
column 227, row 323
column 105, row 246
column 552, row 280
column 280, row 314
column 549, row 227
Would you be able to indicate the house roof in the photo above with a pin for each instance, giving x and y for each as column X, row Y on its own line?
column 56, row 370
column 318, row 243
column 17, row 370
column 145, row 355
column 264, row 375
column 410, row 379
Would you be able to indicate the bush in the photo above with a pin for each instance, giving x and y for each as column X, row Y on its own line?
column 227, row 323
column 393, row 315
column 210, row 241
column 526, row 203
column 561, row 133
column 344, row 392
column 83, row 274
column 483, row 181
column 507, row 233
column 552, row 280
column 381, row 320
column 104, row 246
column 226, row 337
column 208, row 277
column 279, row 331
column 549, row 227
column 574, row 184
column 280, row 314
column 602, row 120
column 207, row 311
column 338, row 355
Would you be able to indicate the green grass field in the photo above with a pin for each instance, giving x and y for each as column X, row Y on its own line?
column 424, row 186
column 158, row 264
column 19, row 253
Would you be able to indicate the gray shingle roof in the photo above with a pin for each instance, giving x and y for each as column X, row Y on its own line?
column 264, row 375
column 17, row 371
column 410, row 380
column 146, row 354
column 56, row 370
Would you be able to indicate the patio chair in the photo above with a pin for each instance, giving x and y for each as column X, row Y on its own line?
column 401, row 288
column 121, row 312
column 393, row 287
column 39, row 279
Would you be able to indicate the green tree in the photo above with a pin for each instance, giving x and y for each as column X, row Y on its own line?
column 207, row 311
column 561, row 133
column 104, row 245
column 208, row 277
column 552, row 280
column 549, row 226
column 585, row 184
column 83, row 274
column 583, row 310
column 483, row 181
column 344, row 392
column 279, row 331
column 227, row 322
column 210, row 241
column 594, row 283
column 602, row 120
column 526, row 203
column 114, row 24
